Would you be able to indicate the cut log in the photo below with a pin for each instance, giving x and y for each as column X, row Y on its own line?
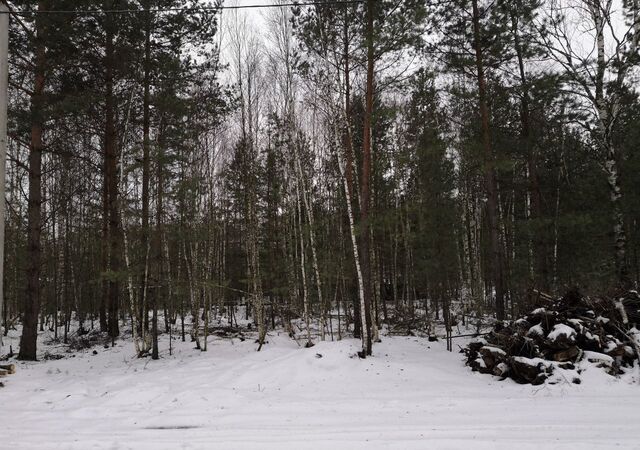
column 562, row 337
column 569, row 354
column 527, row 370
column 501, row 370
column 492, row 356
column 10, row 368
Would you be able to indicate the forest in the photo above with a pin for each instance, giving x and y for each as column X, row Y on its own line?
column 365, row 160
column 281, row 222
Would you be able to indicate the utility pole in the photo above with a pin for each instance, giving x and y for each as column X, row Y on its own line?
column 4, row 82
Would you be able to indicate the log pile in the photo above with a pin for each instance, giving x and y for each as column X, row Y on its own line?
column 560, row 335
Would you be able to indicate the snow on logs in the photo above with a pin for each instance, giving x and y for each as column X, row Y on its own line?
column 562, row 335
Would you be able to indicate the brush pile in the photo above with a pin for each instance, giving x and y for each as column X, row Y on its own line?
column 561, row 335
column 83, row 340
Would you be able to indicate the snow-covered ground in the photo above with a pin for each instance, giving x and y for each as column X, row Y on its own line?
column 412, row 395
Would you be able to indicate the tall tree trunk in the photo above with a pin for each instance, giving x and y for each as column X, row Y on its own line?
column 348, row 189
column 28, row 340
column 104, row 254
column 194, row 305
column 541, row 275
column 365, row 235
column 254, row 268
column 619, row 232
column 125, row 242
column 312, row 234
column 348, row 173
column 111, row 181
column 303, row 269
column 158, row 253
column 146, row 168
column 490, row 177
column 606, row 117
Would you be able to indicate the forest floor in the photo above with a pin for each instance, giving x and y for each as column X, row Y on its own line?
column 412, row 394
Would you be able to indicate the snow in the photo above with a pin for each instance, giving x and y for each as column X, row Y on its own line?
column 623, row 311
column 412, row 394
column 598, row 357
column 561, row 330
column 611, row 346
column 495, row 350
column 536, row 330
column 532, row 361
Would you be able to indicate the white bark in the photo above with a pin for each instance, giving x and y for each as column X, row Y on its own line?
column 195, row 310
column 140, row 346
column 303, row 271
column 600, row 83
column 354, row 241
column 312, row 234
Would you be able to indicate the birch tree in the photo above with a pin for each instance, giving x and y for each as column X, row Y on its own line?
column 599, row 63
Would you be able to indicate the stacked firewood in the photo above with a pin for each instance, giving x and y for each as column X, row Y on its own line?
column 560, row 335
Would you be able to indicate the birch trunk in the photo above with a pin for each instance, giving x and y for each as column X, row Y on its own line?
column 312, row 235
column 303, row 270
column 607, row 111
column 354, row 242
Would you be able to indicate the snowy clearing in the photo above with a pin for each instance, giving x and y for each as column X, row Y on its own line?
column 411, row 395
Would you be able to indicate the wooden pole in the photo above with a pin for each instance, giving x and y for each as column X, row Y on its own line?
column 4, row 81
